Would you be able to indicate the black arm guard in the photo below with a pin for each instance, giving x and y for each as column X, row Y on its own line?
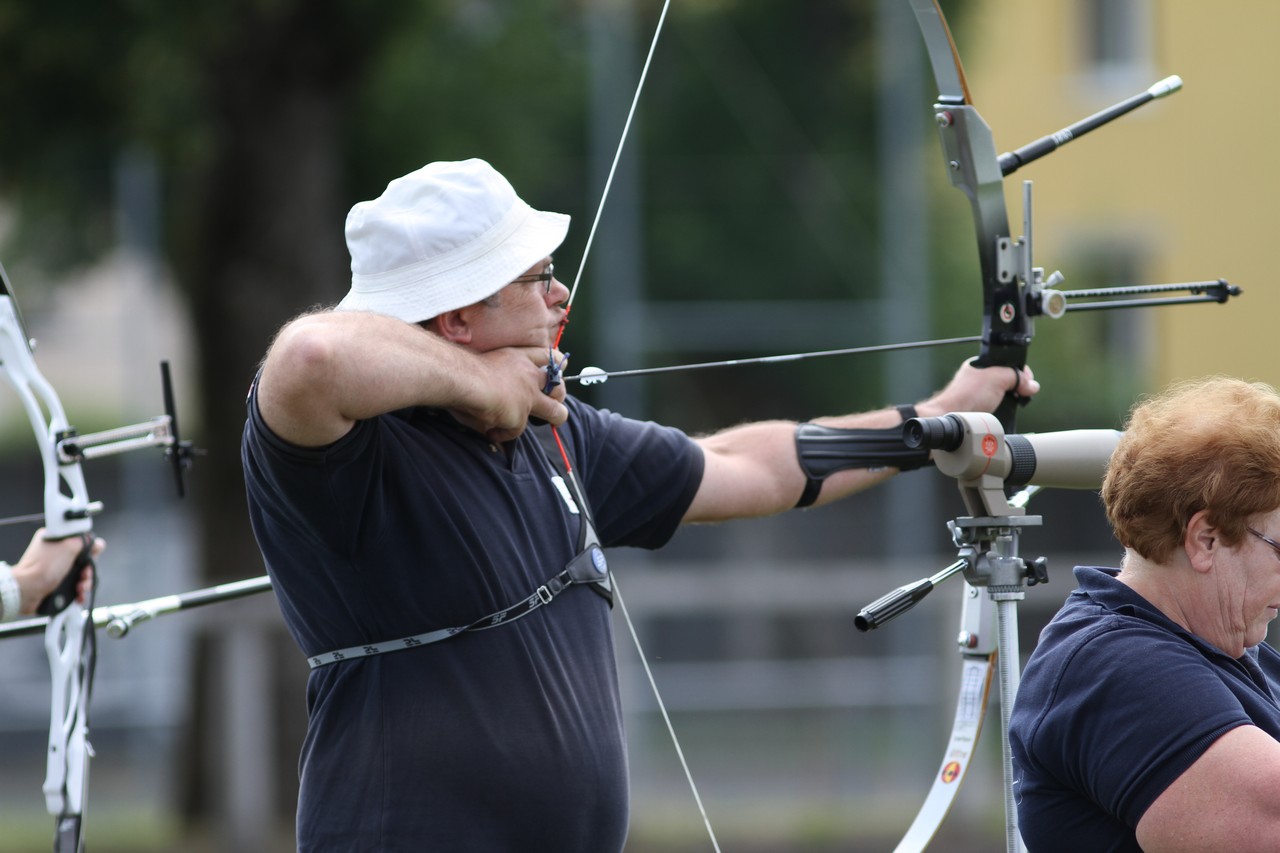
column 823, row 450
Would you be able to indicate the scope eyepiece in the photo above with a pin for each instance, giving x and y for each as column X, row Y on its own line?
column 941, row 433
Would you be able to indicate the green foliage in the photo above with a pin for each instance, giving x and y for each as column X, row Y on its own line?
column 502, row 81
column 758, row 154
column 60, row 93
column 85, row 81
column 756, row 140
column 759, row 167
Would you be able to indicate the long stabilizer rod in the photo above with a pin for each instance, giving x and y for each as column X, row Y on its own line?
column 119, row 618
column 1011, row 161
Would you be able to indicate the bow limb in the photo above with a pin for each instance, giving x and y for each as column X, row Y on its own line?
column 974, row 168
column 69, row 638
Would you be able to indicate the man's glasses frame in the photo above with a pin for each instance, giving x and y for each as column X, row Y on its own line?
column 547, row 276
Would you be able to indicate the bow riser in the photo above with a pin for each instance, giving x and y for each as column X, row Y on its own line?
column 66, row 500
column 69, row 749
column 974, row 169
column 973, row 166
column 68, row 639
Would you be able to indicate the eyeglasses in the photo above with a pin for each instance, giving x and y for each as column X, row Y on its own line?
column 1275, row 546
column 548, row 275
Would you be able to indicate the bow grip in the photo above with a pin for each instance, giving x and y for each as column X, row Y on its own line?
column 1008, row 407
column 60, row 599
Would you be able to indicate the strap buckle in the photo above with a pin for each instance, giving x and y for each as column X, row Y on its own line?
column 553, row 587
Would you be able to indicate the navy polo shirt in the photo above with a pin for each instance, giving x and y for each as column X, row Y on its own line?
column 504, row 739
column 1115, row 703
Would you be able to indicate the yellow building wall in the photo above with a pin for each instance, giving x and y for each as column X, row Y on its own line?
column 1191, row 179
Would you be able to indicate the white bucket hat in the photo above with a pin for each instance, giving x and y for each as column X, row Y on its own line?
column 443, row 237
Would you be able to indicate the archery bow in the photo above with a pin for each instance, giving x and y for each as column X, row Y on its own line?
column 1011, row 288
column 1013, row 291
column 1007, row 330
column 69, row 637
column 70, row 640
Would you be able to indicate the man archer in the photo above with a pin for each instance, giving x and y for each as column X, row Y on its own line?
column 438, row 562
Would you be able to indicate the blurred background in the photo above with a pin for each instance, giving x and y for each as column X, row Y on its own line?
column 173, row 182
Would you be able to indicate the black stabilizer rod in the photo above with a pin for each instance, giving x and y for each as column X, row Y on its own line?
column 1011, row 161
column 902, row 599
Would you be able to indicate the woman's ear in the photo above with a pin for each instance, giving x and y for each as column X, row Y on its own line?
column 1202, row 542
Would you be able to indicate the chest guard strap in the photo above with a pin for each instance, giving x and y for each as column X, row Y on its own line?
column 602, row 581
column 589, row 564
column 589, row 567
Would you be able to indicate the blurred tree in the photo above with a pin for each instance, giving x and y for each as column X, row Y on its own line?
column 762, row 186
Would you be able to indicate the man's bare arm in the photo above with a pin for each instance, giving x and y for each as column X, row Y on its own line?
column 325, row 371
column 752, row 470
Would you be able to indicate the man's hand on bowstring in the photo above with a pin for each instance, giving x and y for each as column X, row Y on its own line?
column 517, row 384
column 979, row 389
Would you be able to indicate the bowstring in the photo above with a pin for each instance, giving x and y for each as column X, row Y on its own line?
column 613, row 167
column 604, row 197
column 573, row 291
column 662, row 708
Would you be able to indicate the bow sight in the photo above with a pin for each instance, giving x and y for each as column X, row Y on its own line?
column 160, row 431
column 71, row 448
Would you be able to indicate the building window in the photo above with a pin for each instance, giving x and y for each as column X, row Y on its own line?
column 1116, row 40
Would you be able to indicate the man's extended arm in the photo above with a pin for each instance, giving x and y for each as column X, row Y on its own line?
column 752, row 470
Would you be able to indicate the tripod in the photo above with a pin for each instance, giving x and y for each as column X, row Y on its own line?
column 972, row 448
